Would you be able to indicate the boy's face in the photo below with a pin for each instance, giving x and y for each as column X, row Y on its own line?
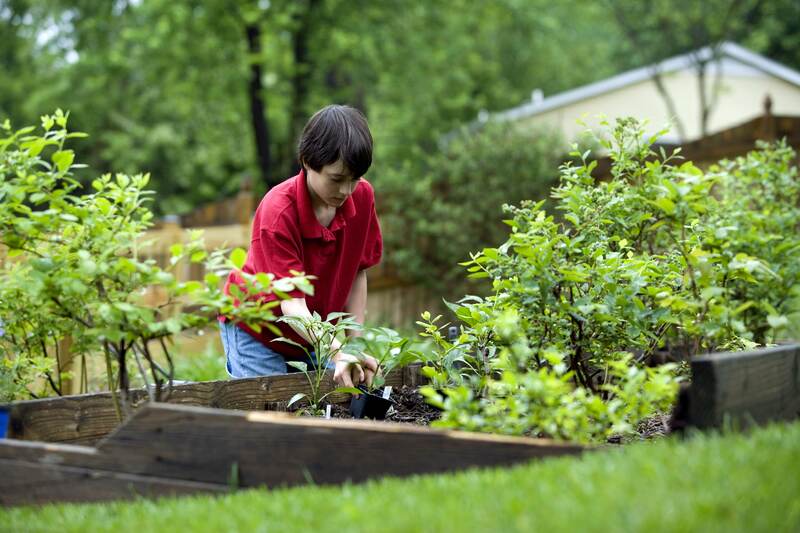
column 332, row 185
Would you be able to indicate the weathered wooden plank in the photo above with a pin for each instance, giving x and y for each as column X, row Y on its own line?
column 86, row 418
column 83, row 418
column 745, row 387
column 25, row 483
column 275, row 449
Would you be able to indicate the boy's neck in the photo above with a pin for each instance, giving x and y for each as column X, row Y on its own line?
column 322, row 211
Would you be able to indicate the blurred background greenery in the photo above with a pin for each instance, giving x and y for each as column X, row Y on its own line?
column 203, row 93
column 209, row 94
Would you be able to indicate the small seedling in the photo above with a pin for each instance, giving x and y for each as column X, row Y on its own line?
column 321, row 333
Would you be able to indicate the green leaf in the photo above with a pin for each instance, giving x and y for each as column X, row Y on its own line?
column 297, row 397
column 777, row 321
column 745, row 306
column 238, row 258
column 35, row 146
column 665, row 204
column 347, row 390
column 124, row 307
column 299, row 365
column 63, row 159
column 198, row 256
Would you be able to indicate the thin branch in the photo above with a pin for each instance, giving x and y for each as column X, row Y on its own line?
column 69, row 313
column 141, row 371
column 171, row 367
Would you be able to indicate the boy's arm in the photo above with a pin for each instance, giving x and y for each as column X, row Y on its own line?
column 357, row 301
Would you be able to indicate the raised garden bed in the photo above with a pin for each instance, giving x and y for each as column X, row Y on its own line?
column 172, row 449
column 188, row 446
column 87, row 418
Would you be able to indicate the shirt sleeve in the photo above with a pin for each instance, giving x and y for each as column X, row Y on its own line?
column 279, row 253
column 373, row 245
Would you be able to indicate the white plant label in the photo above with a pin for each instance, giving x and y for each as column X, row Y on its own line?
column 387, row 391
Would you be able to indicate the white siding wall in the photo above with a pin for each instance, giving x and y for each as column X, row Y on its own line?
column 741, row 99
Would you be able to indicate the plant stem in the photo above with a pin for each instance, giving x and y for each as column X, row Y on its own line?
column 111, row 385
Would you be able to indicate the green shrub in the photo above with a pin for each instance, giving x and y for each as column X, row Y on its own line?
column 663, row 256
column 448, row 202
column 73, row 268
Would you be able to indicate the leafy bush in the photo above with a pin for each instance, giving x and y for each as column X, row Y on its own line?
column 443, row 206
column 663, row 256
column 521, row 395
column 74, row 269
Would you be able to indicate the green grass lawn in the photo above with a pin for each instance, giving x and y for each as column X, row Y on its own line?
column 707, row 483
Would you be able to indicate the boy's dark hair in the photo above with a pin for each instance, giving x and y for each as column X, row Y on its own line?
column 336, row 132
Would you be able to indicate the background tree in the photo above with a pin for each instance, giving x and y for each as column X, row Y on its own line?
column 769, row 27
column 205, row 94
column 471, row 179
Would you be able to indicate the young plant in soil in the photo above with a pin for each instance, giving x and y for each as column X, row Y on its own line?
column 321, row 334
column 445, row 361
column 392, row 352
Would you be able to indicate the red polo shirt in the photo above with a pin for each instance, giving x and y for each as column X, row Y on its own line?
column 287, row 236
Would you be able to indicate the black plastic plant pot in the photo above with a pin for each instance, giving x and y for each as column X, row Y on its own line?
column 369, row 405
column 4, row 416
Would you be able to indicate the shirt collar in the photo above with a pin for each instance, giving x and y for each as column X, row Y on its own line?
column 309, row 225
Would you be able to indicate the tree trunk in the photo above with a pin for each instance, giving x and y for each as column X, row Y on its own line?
column 257, row 106
column 303, row 69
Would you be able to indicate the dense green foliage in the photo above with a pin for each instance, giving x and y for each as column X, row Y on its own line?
column 709, row 483
column 168, row 82
column 449, row 202
column 73, row 268
column 664, row 256
column 180, row 88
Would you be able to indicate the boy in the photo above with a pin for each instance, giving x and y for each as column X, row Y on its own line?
column 321, row 222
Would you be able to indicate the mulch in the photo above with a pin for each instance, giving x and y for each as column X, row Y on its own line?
column 650, row 428
column 408, row 406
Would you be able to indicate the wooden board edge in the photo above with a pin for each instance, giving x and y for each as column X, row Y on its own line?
column 286, row 419
column 56, row 483
column 704, row 402
column 734, row 357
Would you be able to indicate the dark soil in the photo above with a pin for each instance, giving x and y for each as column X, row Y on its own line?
column 409, row 407
column 650, row 428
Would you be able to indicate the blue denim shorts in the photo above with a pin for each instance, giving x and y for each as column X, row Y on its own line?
column 246, row 357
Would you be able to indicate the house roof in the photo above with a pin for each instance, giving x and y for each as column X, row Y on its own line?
column 726, row 50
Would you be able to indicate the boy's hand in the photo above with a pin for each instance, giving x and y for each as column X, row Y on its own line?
column 351, row 370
